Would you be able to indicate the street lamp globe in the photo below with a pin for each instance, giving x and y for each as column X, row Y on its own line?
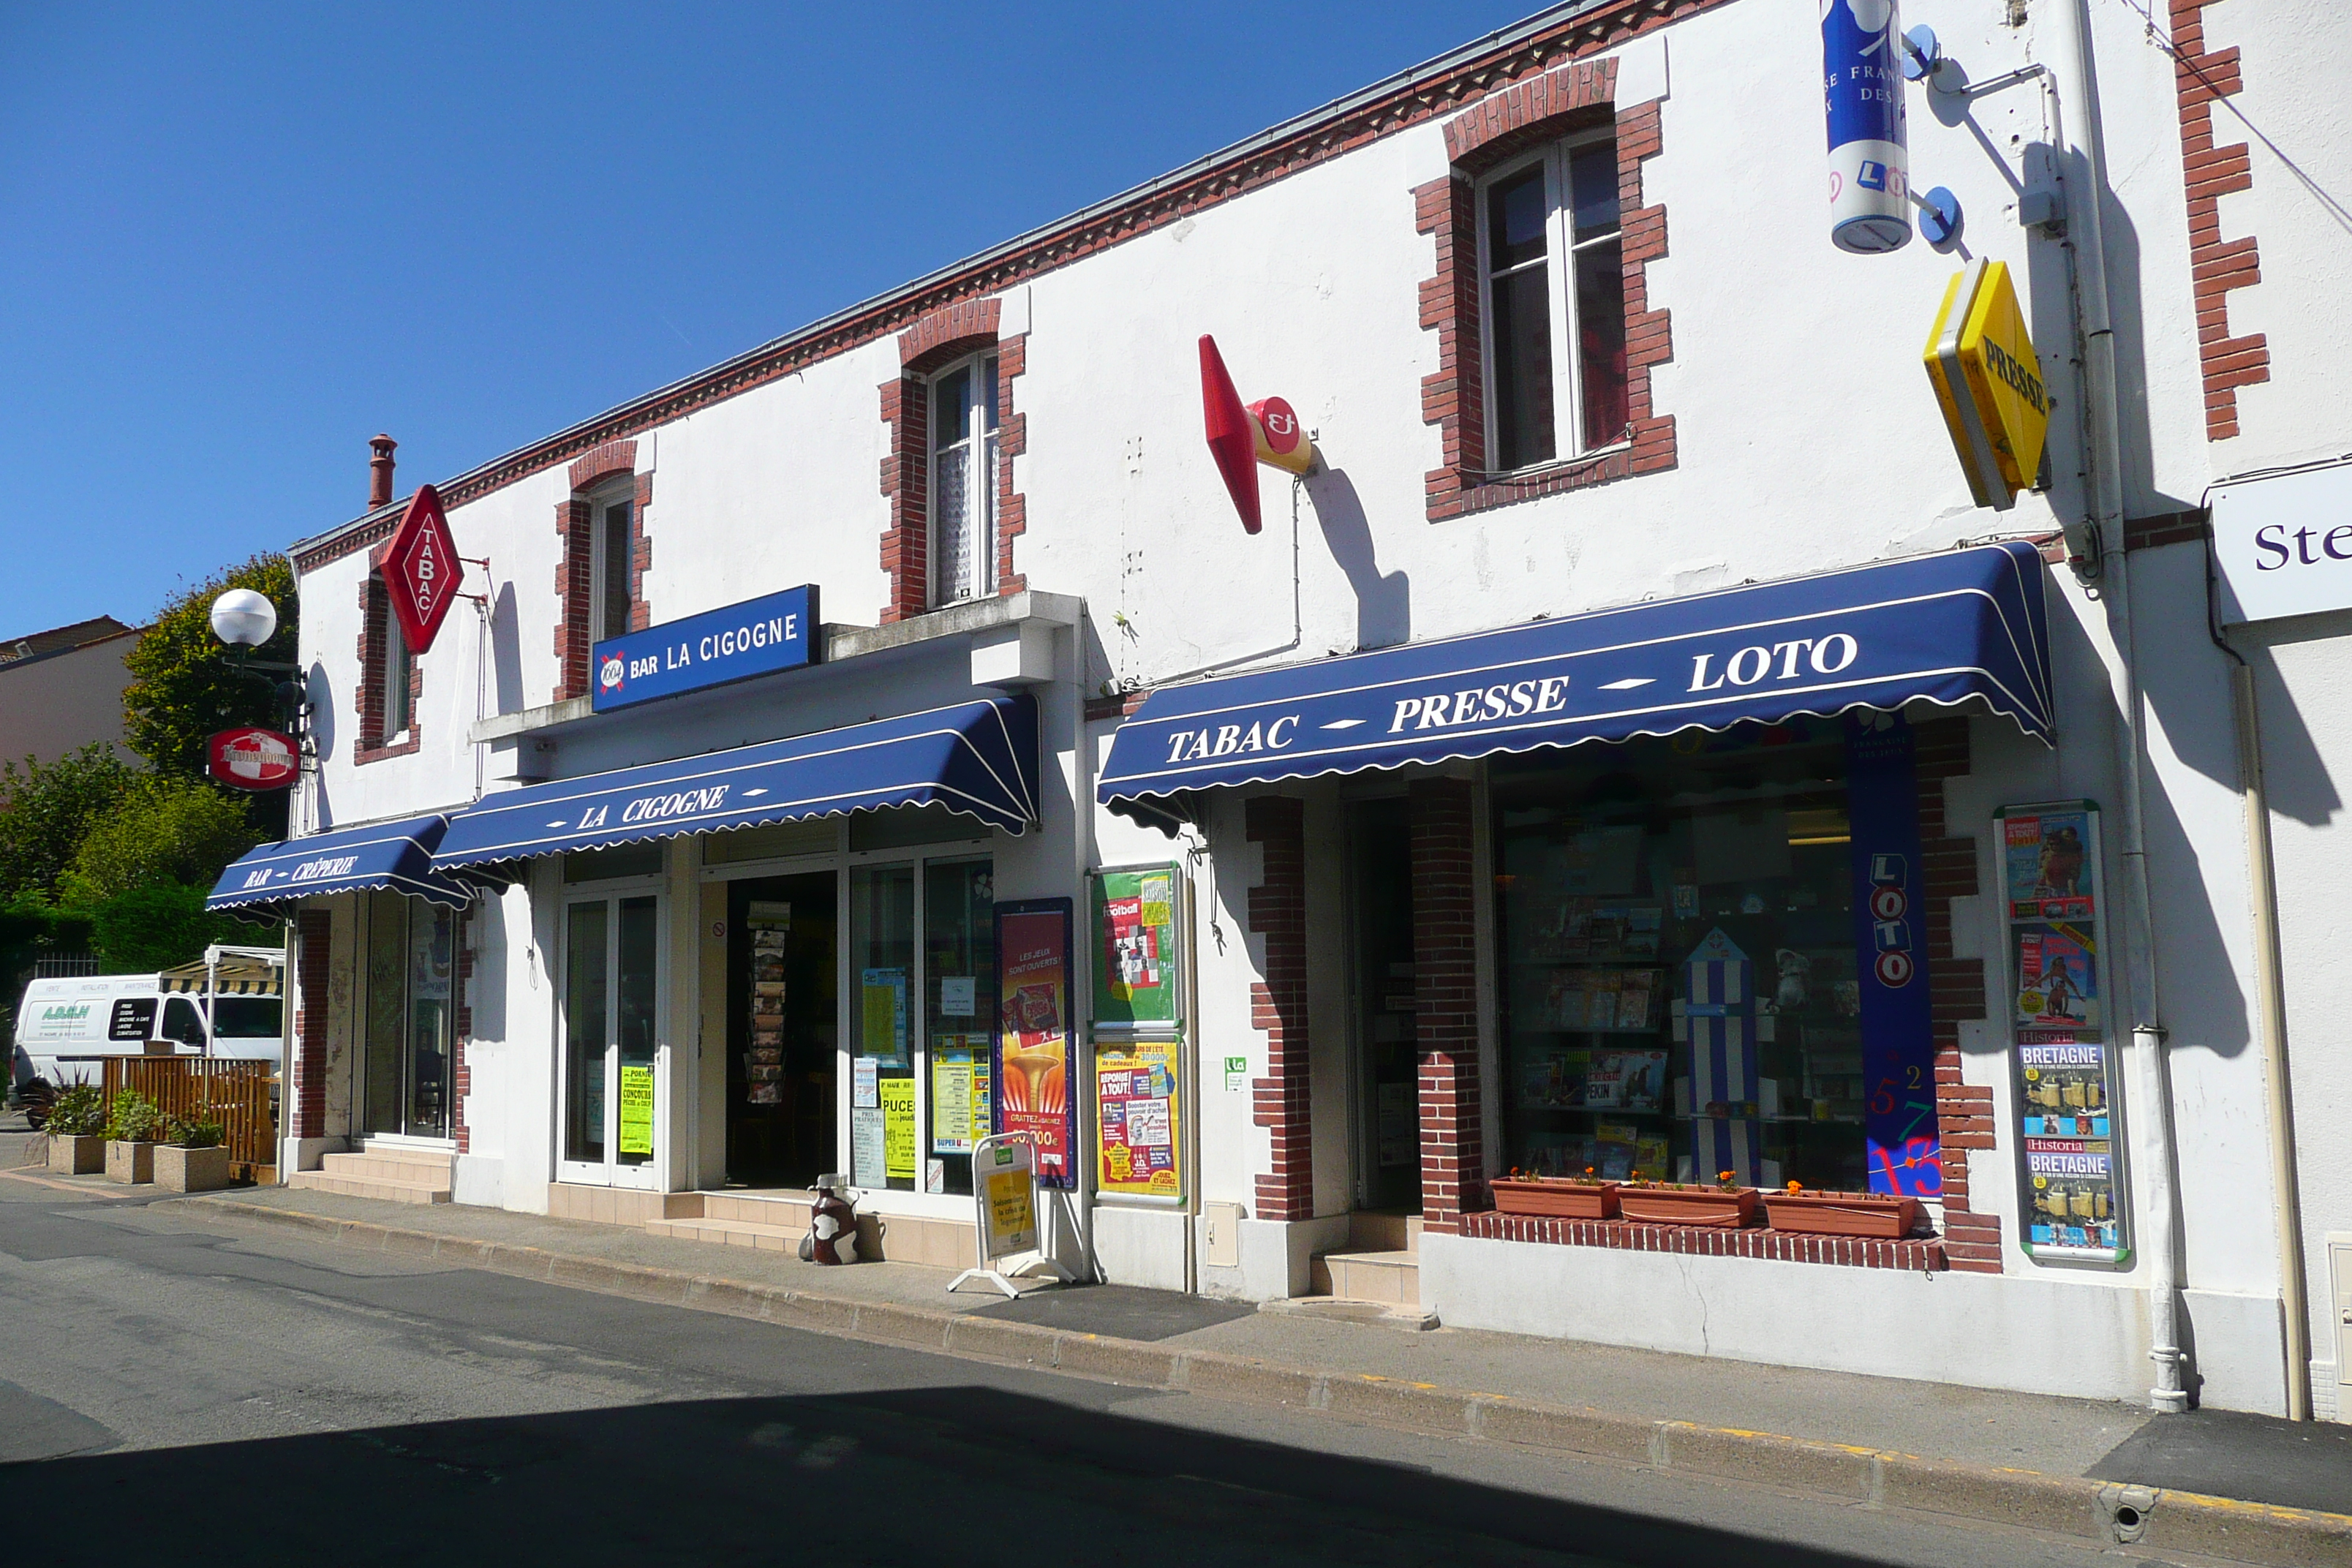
column 244, row 618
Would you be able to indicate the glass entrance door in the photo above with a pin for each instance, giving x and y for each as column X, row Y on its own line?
column 612, row 999
column 411, row 996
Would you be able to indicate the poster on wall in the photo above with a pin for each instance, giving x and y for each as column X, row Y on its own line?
column 2070, row 1151
column 1136, row 955
column 883, row 993
column 1138, row 1119
column 1031, row 1076
column 899, row 1129
column 959, row 1093
column 637, row 1110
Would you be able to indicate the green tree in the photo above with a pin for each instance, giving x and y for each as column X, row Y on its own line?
column 158, row 926
column 48, row 808
column 163, row 830
column 184, row 687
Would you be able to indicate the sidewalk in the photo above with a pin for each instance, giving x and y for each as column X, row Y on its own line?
column 2081, row 1467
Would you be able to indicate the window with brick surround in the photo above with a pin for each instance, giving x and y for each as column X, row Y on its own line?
column 1551, row 264
column 962, row 488
column 390, row 678
column 614, row 544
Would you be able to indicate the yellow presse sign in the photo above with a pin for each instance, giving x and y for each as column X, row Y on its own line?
column 1987, row 380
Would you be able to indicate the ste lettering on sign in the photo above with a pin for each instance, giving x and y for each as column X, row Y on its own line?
column 2283, row 545
column 421, row 570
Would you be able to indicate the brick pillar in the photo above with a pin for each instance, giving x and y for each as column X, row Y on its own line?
column 1277, row 912
column 1446, row 998
column 306, row 1107
column 1964, row 1112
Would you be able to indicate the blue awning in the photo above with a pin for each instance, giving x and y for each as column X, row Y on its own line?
column 395, row 855
column 978, row 758
column 1965, row 626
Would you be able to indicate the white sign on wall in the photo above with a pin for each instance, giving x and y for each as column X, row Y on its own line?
column 2284, row 546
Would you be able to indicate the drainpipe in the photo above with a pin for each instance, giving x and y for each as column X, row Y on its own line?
column 2070, row 52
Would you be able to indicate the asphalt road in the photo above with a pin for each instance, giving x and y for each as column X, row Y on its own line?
column 205, row 1394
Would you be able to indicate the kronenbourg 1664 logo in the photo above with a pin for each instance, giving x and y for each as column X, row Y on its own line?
column 609, row 673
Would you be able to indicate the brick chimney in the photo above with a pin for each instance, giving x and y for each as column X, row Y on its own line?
column 380, row 471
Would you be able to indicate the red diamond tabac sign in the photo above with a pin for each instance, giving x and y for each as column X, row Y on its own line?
column 421, row 570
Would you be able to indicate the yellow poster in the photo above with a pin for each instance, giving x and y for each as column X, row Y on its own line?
column 637, row 1110
column 899, row 1127
column 1012, row 1212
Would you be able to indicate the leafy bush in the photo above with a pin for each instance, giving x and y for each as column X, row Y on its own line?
column 49, row 807
column 163, row 831
column 197, row 1132
column 134, row 1119
column 78, row 1111
column 154, row 928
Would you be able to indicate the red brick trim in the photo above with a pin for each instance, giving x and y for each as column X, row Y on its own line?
column 1116, row 707
column 2166, row 528
column 1304, row 145
column 2216, row 266
column 1453, row 397
column 461, row 1036
column 314, row 954
column 368, row 694
column 575, row 563
column 1445, row 1003
column 1956, row 994
column 603, row 463
column 936, row 341
column 1277, row 912
column 1927, row 1255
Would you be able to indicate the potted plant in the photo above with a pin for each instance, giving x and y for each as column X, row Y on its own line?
column 76, row 1119
column 1556, row 1197
column 132, row 1125
column 1726, row 1206
column 195, row 1160
column 1884, row 1215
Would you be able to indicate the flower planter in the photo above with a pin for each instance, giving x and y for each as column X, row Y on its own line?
column 179, row 1169
column 76, row 1156
column 132, row 1162
column 1710, row 1206
column 1880, row 1216
column 1555, row 1199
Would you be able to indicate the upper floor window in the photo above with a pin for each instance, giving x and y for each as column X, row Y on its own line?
column 396, row 673
column 1551, row 254
column 963, row 480
column 611, row 547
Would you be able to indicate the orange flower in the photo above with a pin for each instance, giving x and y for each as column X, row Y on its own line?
column 1796, row 1186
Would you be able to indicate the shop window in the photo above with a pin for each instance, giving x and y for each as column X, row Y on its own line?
column 882, row 1075
column 1633, row 876
column 410, row 999
column 963, row 480
column 959, row 1014
column 1551, row 254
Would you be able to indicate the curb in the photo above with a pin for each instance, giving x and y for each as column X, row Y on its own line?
column 2078, row 1507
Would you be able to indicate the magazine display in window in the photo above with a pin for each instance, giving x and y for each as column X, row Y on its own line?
column 769, row 925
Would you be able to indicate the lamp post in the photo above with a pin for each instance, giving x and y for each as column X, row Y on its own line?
column 244, row 619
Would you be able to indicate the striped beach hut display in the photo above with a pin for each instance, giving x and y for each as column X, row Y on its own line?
column 1720, row 1012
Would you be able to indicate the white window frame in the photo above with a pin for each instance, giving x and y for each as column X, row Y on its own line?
column 1561, row 249
column 601, row 506
column 981, row 439
column 396, row 671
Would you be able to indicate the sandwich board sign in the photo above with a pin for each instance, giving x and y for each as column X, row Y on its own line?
column 1004, row 1211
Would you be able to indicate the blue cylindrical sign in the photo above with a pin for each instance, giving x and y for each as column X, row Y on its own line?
column 1862, row 67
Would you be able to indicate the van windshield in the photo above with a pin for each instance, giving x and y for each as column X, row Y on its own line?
column 246, row 1017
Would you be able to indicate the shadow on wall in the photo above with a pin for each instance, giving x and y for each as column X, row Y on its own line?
column 2294, row 773
column 1383, row 600
column 506, row 651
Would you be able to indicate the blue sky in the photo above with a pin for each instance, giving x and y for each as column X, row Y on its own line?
column 237, row 241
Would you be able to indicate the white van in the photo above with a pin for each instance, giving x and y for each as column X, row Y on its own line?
column 229, row 1004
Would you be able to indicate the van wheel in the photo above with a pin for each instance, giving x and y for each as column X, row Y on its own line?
column 34, row 1098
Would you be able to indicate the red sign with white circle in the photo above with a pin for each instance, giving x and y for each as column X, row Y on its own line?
column 1887, row 903
column 1894, row 969
column 252, row 758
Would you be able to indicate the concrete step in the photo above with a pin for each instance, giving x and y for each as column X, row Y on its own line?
column 364, row 1186
column 1393, row 1278
column 1372, row 1230
column 730, row 1233
column 370, row 1165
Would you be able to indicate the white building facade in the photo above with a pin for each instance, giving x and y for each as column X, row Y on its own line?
column 1561, row 314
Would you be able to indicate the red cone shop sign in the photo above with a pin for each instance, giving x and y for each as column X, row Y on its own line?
column 421, row 570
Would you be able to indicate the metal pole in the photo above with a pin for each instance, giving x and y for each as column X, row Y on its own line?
column 2270, row 992
column 2070, row 40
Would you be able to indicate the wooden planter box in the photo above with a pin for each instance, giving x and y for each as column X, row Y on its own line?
column 82, row 1156
column 1555, row 1199
column 179, row 1169
column 1710, row 1206
column 132, row 1162
column 1878, row 1216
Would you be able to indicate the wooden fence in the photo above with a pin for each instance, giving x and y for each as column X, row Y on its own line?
column 242, row 1096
